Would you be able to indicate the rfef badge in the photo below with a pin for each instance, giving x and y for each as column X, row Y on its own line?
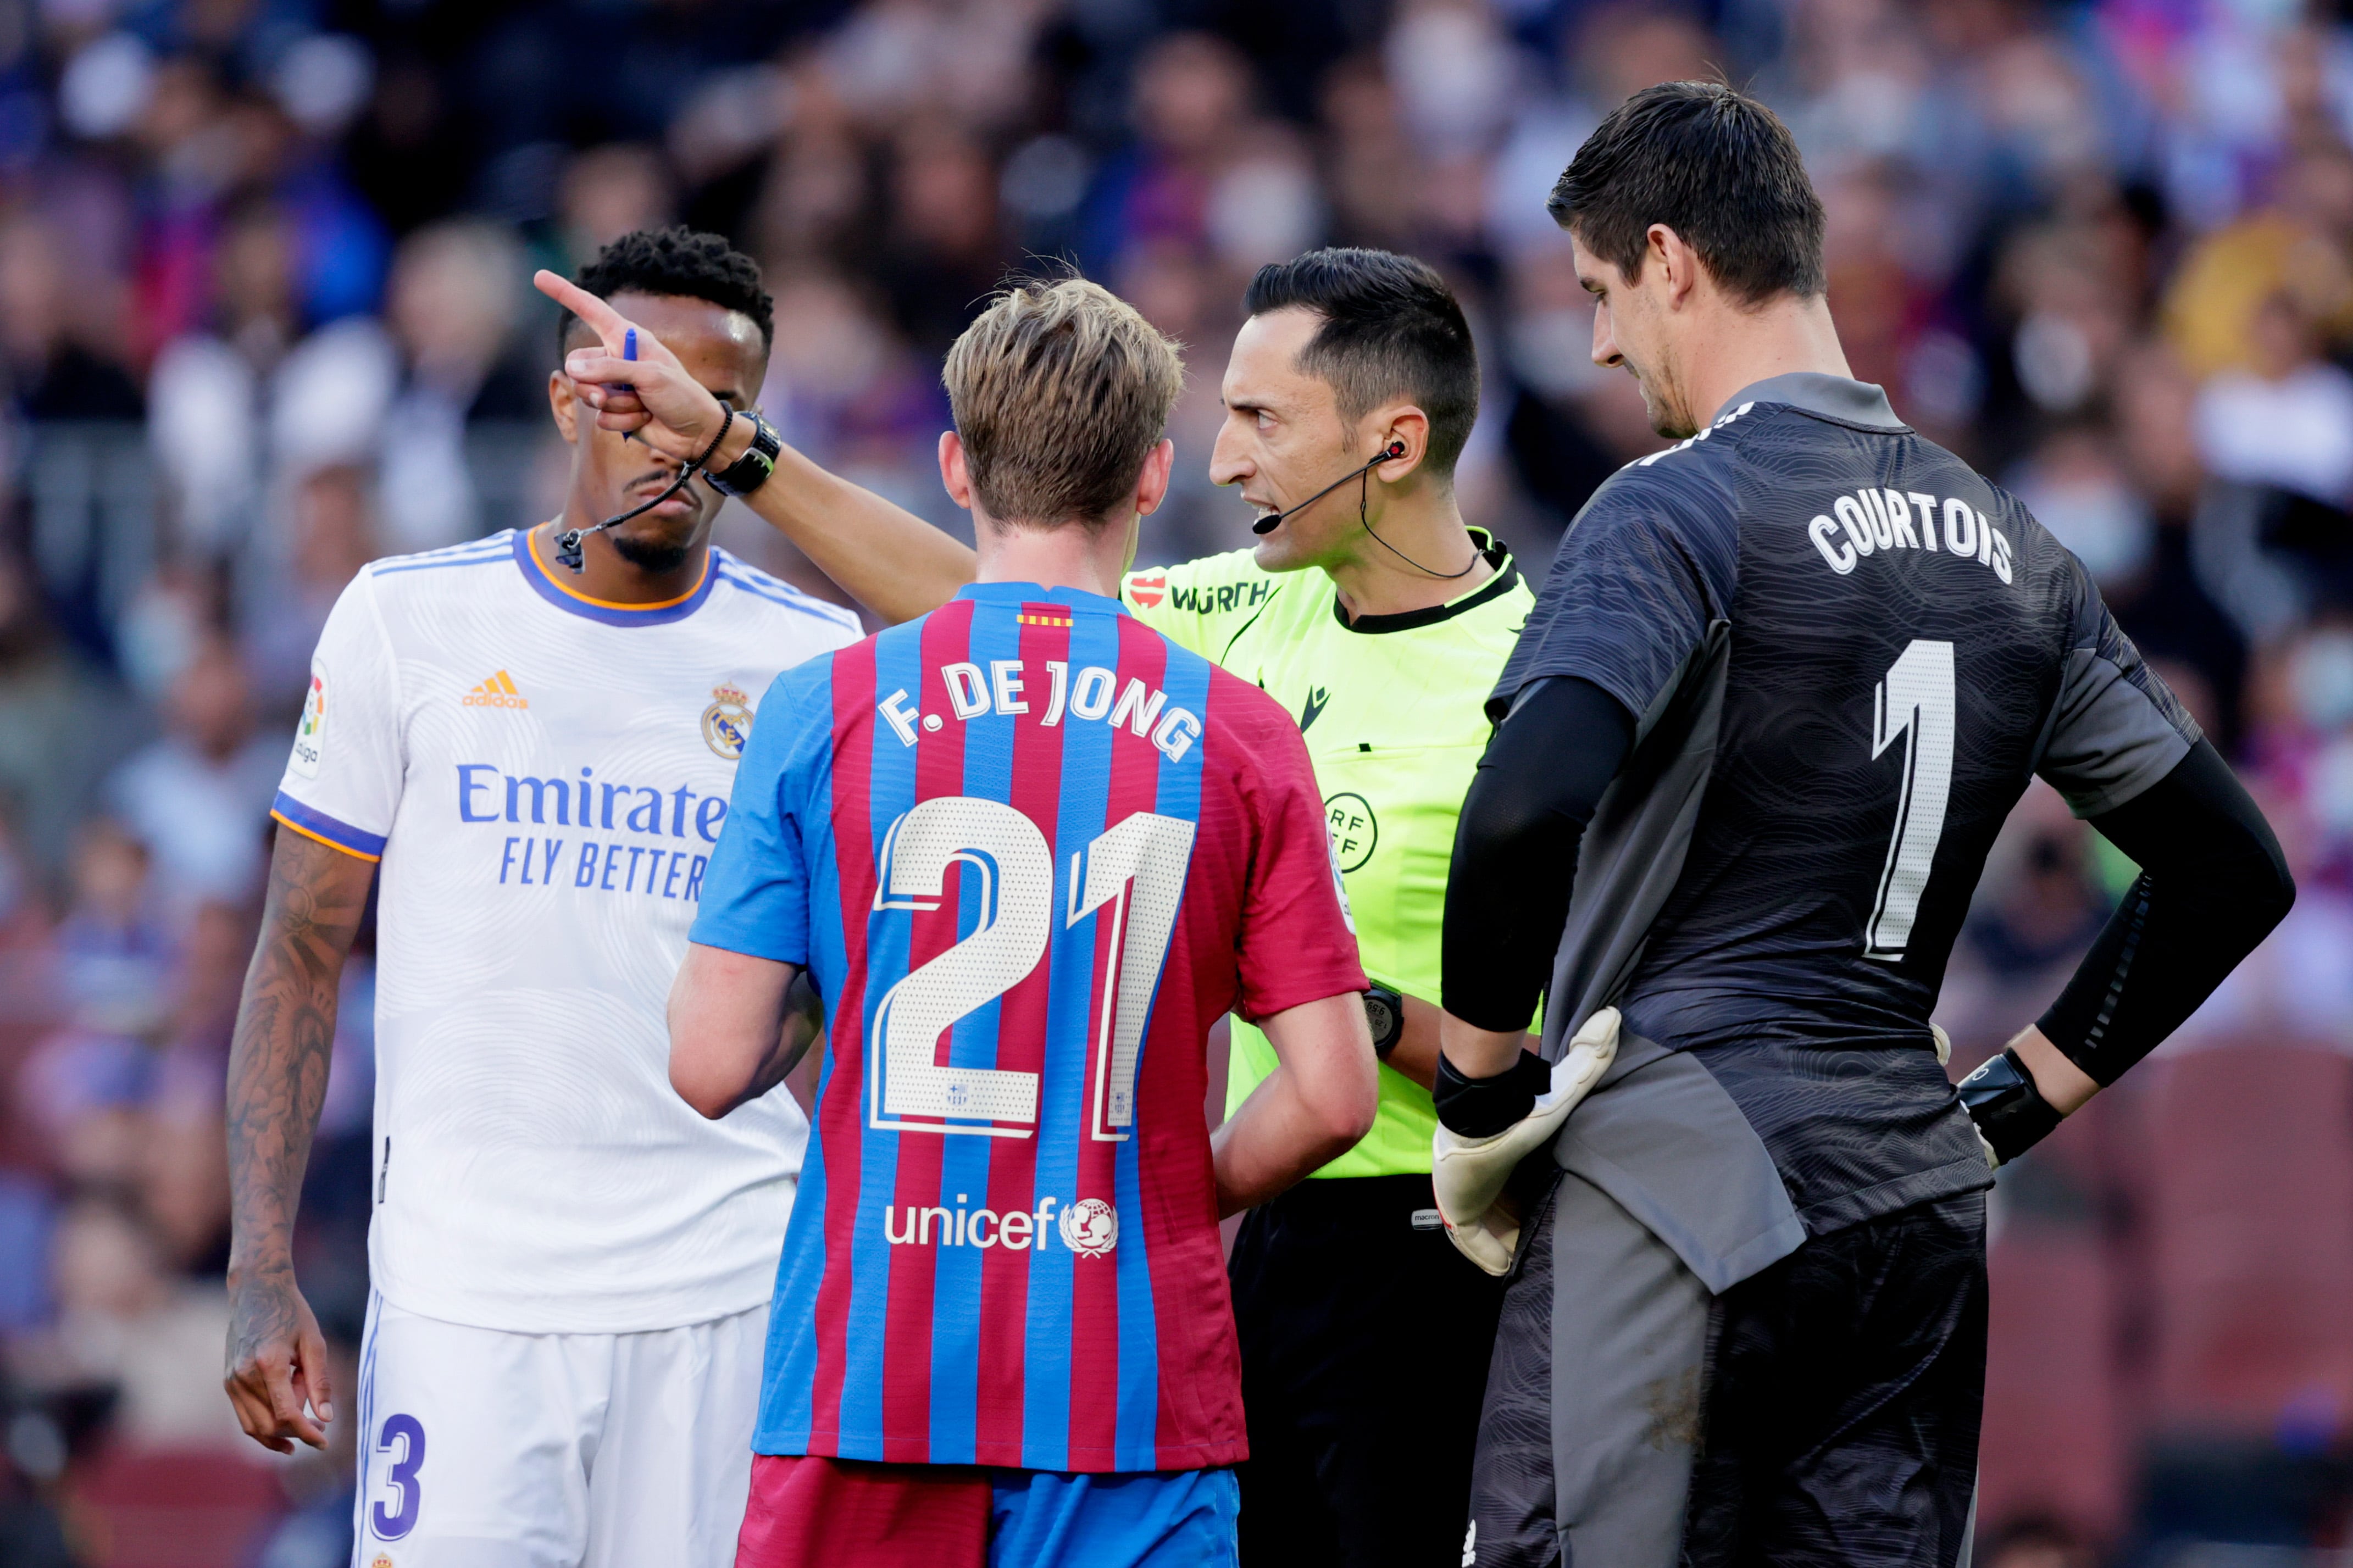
column 727, row 723
column 1355, row 830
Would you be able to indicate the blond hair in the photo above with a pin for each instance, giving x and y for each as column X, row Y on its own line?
column 1061, row 391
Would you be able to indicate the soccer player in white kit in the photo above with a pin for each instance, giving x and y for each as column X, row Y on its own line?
column 571, row 1268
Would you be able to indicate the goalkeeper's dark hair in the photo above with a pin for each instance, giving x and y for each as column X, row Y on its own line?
column 1716, row 167
column 687, row 263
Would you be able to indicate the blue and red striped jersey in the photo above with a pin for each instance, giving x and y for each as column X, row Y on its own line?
column 1030, row 850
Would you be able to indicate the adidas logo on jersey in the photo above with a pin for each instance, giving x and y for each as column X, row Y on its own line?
column 498, row 691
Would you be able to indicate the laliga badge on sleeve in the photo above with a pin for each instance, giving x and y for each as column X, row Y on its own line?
column 310, row 734
column 1339, row 882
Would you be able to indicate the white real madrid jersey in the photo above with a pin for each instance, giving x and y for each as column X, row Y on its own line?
column 542, row 777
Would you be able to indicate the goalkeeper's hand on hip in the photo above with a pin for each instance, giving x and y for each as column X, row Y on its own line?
column 1469, row 1171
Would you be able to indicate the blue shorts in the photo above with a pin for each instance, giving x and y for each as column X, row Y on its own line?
column 1051, row 1519
column 811, row 1511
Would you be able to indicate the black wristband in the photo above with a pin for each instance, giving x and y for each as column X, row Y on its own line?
column 1385, row 1016
column 2011, row 1112
column 750, row 472
column 1482, row 1107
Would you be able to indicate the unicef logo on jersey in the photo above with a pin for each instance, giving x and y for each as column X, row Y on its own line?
column 1089, row 1227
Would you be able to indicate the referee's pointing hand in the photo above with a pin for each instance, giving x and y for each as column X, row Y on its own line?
column 651, row 396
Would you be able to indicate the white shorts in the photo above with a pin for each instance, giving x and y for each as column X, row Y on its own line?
column 480, row 1448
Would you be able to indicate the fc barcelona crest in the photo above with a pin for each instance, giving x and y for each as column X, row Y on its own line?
column 727, row 723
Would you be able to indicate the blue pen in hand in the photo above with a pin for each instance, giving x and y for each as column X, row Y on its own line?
column 628, row 351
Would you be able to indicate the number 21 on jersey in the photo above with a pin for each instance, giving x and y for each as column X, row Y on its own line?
column 1134, row 873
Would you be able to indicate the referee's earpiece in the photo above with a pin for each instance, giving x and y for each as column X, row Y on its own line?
column 1395, row 450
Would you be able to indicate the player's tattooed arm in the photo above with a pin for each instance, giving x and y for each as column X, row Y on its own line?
column 883, row 555
column 276, row 1080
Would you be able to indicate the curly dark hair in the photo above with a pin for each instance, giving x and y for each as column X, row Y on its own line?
column 682, row 261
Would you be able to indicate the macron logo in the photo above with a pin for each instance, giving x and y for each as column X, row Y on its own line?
column 1314, row 709
column 498, row 691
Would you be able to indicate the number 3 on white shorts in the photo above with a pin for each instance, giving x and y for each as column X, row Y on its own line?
column 1137, row 867
column 1916, row 701
column 401, row 1442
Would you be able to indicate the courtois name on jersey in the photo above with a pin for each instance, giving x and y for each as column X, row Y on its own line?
column 1908, row 648
column 1030, row 850
column 1881, row 519
column 545, row 777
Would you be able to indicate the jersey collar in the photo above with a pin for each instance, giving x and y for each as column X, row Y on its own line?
column 1831, row 396
column 1031, row 593
column 1507, row 578
column 572, row 601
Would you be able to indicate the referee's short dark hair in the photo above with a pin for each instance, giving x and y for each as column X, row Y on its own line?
column 1391, row 330
column 1714, row 166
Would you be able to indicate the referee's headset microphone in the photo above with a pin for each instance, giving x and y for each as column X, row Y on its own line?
column 1389, row 453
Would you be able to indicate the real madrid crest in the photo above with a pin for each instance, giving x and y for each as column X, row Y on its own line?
column 727, row 723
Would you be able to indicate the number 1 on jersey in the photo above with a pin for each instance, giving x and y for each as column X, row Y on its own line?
column 1915, row 700
column 1150, row 852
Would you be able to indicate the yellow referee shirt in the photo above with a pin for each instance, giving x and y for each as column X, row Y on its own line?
column 1393, row 711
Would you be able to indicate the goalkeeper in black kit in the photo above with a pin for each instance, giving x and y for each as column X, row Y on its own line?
column 1784, row 682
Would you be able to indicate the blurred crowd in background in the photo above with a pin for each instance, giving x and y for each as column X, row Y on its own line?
column 264, row 316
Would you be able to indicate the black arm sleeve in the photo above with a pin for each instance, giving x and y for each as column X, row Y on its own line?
column 1515, row 847
column 2213, row 885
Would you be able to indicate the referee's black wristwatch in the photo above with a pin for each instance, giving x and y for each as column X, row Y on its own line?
column 1385, row 1013
column 750, row 472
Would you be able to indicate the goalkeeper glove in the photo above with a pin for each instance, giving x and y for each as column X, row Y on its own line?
column 1468, row 1173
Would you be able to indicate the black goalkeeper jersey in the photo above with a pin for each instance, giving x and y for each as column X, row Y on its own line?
column 1899, row 648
